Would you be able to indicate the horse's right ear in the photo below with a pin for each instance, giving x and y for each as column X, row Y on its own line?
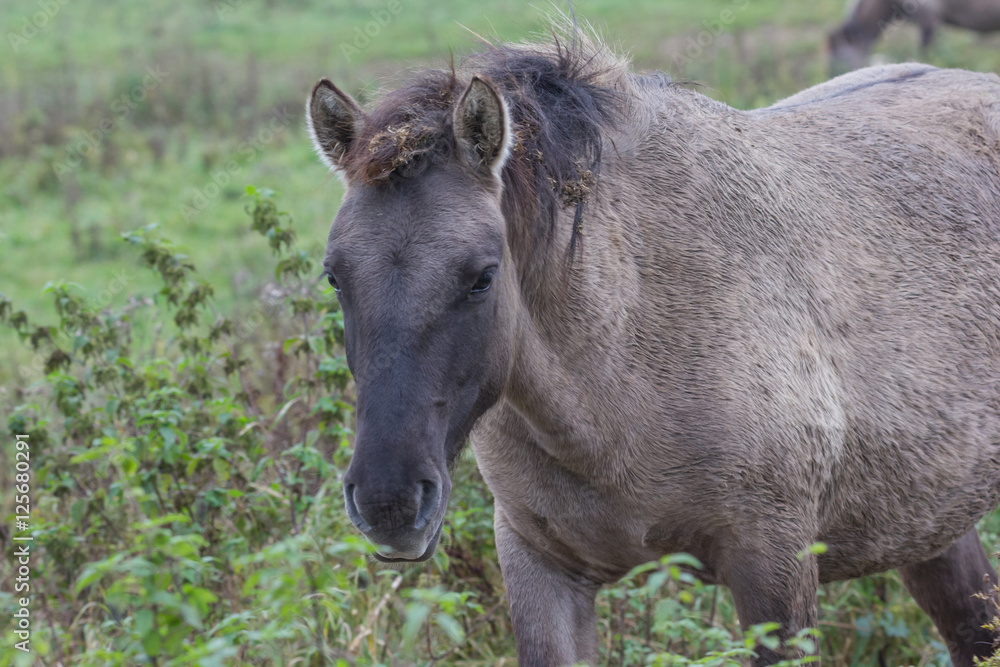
column 482, row 126
column 334, row 120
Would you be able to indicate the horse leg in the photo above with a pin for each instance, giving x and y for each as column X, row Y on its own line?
column 552, row 610
column 927, row 31
column 774, row 587
column 944, row 588
column 929, row 21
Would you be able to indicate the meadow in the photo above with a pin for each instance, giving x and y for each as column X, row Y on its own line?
column 177, row 365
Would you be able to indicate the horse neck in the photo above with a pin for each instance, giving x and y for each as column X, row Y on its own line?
column 571, row 376
column 594, row 351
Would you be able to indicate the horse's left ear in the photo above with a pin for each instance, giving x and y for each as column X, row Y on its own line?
column 334, row 120
column 482, row 126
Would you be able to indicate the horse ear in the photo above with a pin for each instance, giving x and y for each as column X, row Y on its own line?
column 334, row 120
column 482, row 126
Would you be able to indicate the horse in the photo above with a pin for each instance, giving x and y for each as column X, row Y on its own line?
column 667, row 325
column 850, row 44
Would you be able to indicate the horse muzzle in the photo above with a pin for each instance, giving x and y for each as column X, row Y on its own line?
column 405, row 523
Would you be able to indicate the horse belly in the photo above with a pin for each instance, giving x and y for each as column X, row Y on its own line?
column 918, row 461
column 976, row 15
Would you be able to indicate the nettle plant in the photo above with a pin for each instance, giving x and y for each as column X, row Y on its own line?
column 181, row 509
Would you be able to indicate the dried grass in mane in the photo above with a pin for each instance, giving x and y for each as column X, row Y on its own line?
column 561, row 98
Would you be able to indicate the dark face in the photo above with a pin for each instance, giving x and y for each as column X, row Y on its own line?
column 422, row 279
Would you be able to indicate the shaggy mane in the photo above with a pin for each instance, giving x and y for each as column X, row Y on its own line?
column 561, row 98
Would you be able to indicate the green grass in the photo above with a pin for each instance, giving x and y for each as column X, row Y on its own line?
column 229, row 69
column 231, row 66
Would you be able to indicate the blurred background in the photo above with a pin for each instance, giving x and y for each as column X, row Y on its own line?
column 115, row 115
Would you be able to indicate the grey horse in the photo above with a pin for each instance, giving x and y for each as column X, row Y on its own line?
column 851, row 43
column 672, row 326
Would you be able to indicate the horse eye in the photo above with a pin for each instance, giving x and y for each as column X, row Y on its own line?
column 483, row 282
column 332, row 280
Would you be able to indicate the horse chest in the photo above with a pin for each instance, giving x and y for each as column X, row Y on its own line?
column 588, row 530
column 602, row 530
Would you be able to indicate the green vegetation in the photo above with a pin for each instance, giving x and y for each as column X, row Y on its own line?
column 189, row 427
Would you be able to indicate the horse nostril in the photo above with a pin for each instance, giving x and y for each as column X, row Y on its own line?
column 352, row 509
column 430, row 497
